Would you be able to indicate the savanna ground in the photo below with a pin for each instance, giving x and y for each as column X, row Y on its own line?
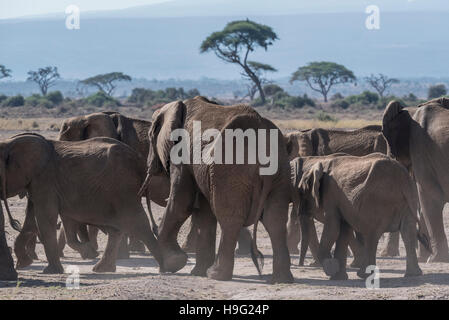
column 139, row 278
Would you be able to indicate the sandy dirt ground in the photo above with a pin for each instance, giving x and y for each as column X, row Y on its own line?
column 139, row 278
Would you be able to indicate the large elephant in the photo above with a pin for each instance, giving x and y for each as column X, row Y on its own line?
column 234, row 194
column 94, row 182
column 322, row 142
column 419, row 139
column 369, row 195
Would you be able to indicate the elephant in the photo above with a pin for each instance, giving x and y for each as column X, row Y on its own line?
column 132, row 132
column 322, row 142
column 233, row 194
column 94, row 182
column 299, row 166
column 369, row 195
column 419, row 139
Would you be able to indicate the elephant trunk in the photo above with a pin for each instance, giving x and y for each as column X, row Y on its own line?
column 145, row 184
column 305, row 237
column 15, row 224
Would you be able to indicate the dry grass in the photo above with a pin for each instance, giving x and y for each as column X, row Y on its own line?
column 29, row 124
column 314, row 123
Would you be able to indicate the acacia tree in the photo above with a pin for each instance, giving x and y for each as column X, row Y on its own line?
column 106, row 83
column 380, row 83
column 4, row 72
column 234, row 44
column 321, row 76
column 44, row 77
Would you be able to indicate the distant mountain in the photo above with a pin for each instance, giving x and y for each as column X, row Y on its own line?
column 407, row 45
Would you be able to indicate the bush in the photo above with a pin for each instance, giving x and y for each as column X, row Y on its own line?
column 337, row 96
column 365, row 98
column 437, row 91
column 343, row 104
column 14, row 101
column 323, row 116
column 36, row 100
column 150, row 97
column 55, row 97
column 3, row 98
column 101, row 99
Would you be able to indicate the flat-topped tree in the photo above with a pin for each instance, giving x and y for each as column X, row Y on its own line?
column 322, row 76
column 236, row 41
column 44, row 77
column 381, row 83
column 106, row 83
column 4, row 72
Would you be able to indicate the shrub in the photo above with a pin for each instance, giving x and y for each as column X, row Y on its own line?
column 150, row 97
column 14, row 101
column 3, row 98
column 323, row 116
column 55, row 97
column 436, row 91
column 36, row 100
column 101, row 99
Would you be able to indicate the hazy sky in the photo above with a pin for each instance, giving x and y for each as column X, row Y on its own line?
column 18, row 8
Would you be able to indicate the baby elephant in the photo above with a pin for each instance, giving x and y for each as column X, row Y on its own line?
column 94, row 182
column 369, row 195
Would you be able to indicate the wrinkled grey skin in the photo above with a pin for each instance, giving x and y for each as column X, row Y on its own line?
column 419, row 139
column 299, row 166
column 7, row 271
column 94, row 182
column 369, row 195
column 234, row 195
column 322, row 142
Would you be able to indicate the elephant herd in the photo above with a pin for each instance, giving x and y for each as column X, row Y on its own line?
column 360, row 184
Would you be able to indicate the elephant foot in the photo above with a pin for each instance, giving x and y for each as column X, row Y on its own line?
column 89, row 253
column 282, row 277
column 61, row 254
column 23, row 262
column 331, row 267
column 199, row 271
column 390, row 252
column 356, row 263
column 413, row 273
column 361, row 273
column 189, row 246
column 438, row 258
column 53, row 269
column 217, row 273
column 174, row 261
column 136, row 246
column 339, row 276
column 9, row 275
column 103, row 266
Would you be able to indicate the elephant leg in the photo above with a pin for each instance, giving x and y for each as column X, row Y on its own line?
column 136, row 245
column 107, row 262
column 274, row 220
column 62, row 241
column 329, row 236
column 432, row 205
column 357, row 251
column 341, row 250
column 392, row 247
column 139, row 227
column 28, row 232
column 46, row 218
column 31, row 247
column 123, row 249
column 190, row 241
column 93, row 234
column 408, row 233
column 71, row 228
column 223, row 266
column 7, row 272
column 205, row 249
column 424, row 254
column 313, row 245
column 178, row 209
column 370, row 245
column 244, row 242
column 293, row 233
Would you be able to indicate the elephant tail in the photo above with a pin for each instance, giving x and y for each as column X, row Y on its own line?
column 256, row 255
column 153, row 221
column 15, row 224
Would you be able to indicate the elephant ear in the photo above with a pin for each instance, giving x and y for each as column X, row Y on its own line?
column 169, row 118
column 311, row 182
column 99, row 125
column 288, row 138
column 395, row 128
